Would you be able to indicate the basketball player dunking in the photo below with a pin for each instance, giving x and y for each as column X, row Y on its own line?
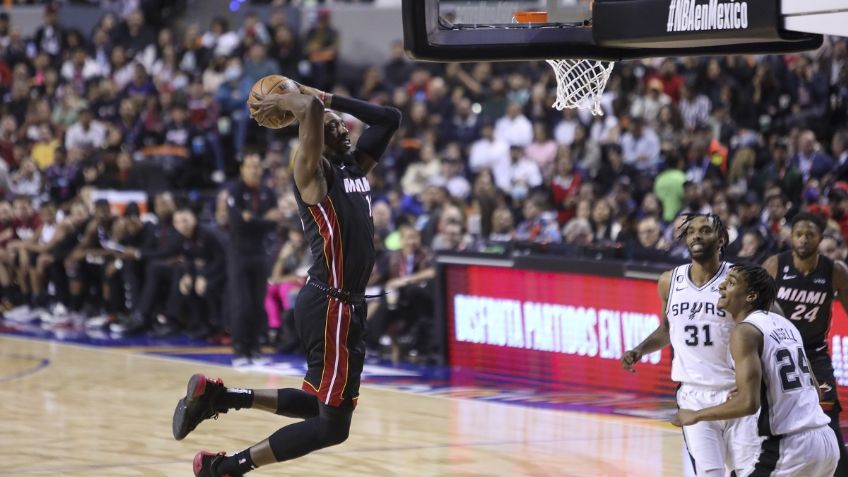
column 806, row 282
column 699, row 334
column 772, row 377
column 334, row 199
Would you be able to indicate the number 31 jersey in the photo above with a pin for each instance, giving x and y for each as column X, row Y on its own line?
column 699, row 331
column 806, row 300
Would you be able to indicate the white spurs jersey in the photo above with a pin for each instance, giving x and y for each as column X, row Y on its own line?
column 791, row 400
column 699, row 331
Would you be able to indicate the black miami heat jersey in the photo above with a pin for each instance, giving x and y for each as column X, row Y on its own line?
column 339, row 229
column 806, row 300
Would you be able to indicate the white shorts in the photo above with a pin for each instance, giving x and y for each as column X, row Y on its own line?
column 810, row 453
column 732, row 444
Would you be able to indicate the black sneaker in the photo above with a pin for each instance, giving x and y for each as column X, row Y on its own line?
column 197, row 405
column 205, row 464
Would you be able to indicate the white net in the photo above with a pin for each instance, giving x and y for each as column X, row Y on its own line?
column 581, row 83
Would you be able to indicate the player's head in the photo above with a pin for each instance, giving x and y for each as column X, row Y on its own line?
column 807, row 231
column 705, row 235
column 747, row 287
column 336, row 135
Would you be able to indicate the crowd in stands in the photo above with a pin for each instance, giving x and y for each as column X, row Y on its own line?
column 482, row 163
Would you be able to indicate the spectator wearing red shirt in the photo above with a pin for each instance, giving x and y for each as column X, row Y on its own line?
column 565, row 185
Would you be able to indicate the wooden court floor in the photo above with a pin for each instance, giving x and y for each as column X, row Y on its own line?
column 75, row 410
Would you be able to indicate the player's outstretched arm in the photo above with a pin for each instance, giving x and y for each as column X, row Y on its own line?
column 745, row 343
column 309, row 112
column 659, row 338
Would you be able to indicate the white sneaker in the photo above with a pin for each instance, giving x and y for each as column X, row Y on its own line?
column 260, row 360
column 20, row 314
column 59, row 309
column 97, row 322
column 241, row 361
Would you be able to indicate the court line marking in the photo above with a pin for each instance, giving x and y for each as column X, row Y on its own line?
column 42, row 363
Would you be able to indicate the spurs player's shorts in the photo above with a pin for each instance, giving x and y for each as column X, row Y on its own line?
column 809, row 453
column 731, row 444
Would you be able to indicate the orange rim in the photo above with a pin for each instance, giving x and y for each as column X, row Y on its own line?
column 530, row 17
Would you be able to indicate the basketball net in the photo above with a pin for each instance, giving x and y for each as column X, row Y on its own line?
column 581, row 82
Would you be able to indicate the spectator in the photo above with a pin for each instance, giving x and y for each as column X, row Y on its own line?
column 669, row 188
column 50, row 37
column 565, row 185
column 86, row 134
column 252, row 215
column 488, row 152
column 254, row 29
column 539, row 223
column 810, row 160
column 287, row 278
column 321, row 47
column 514, row 128
column 519, row 176
column 232, row 95
column 26, row 181
column 783, row 172
column 839, row 148
column 405, row 313
column 649, row 245
column 199, row 278
column 649, row 106
column 641, row 146
column 543, row 150
column 753, row 247
column 258, row 65
column 604, row 228
column 833, row 247
column 464, row 126
column 694, row 107
column 63, row 178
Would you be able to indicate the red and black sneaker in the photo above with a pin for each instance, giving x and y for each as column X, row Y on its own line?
column 206, row 463
column 197, row 405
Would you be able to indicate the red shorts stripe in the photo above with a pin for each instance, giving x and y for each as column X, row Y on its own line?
column 325, row 230
column 334, row 376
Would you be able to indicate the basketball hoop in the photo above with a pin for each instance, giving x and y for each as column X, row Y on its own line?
column 581, row 82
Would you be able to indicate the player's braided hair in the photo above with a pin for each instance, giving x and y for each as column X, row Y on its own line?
column 760, row 282
column 716, row 222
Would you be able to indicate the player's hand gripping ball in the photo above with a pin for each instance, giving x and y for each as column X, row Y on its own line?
column 272, row 84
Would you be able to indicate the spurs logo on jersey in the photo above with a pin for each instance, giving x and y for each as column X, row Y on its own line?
column 699, row 331
column 806, row 300
column 792, row 402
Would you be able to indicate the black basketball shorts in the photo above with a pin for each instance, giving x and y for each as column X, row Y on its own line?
column 333, row 335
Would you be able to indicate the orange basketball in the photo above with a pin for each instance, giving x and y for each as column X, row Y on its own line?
column 274, row 84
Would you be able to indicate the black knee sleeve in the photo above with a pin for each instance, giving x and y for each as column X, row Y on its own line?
column 331, row 427
column 296, row 403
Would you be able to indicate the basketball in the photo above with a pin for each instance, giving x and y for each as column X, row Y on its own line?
column 274, row 84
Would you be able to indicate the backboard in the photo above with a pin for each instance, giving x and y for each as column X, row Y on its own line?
column 486, row 30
